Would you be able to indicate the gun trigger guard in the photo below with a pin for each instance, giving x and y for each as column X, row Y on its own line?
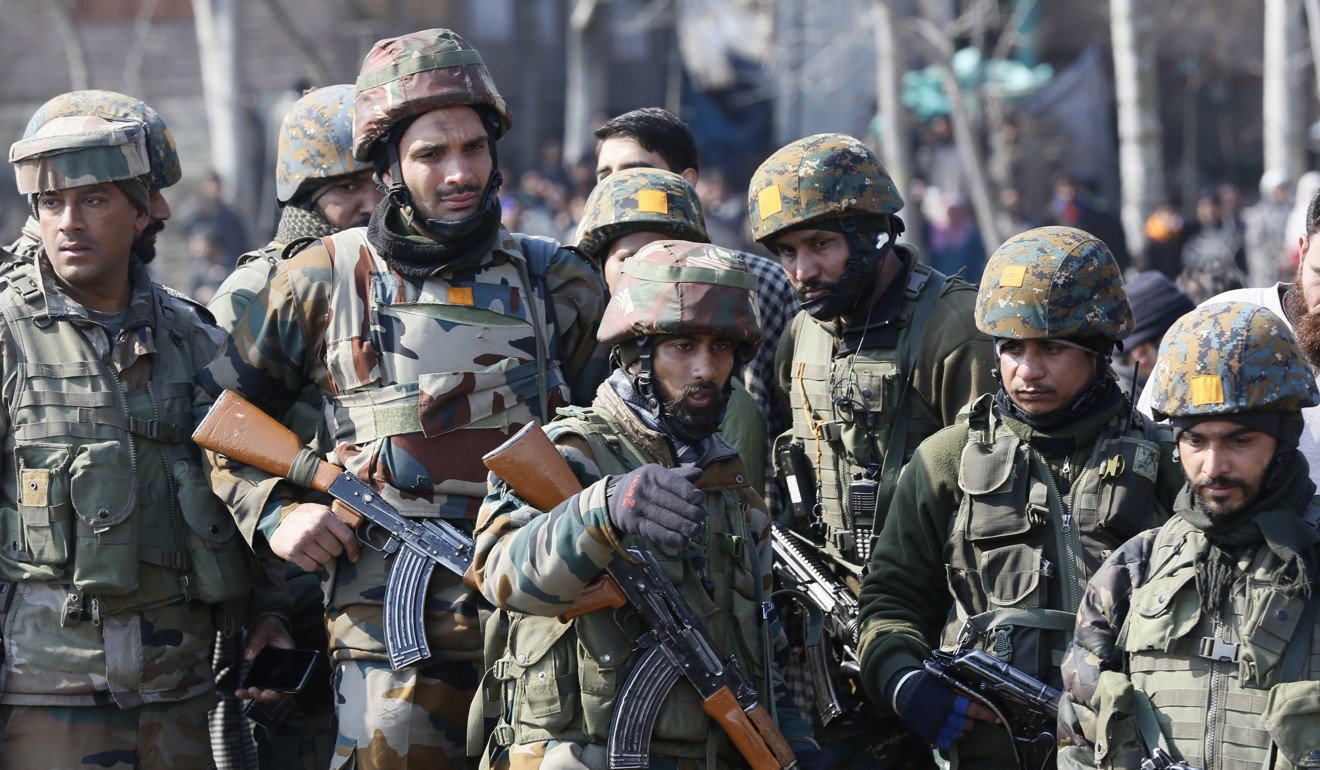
column 369, row 535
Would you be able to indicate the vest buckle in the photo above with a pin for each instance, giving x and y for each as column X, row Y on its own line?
column 1214, row 648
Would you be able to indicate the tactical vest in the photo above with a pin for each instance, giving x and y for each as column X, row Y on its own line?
column 112, row 496
column 1222, row 690
column 427, row 377
column 847, row 410
column 1019, row 553
column 566, row 676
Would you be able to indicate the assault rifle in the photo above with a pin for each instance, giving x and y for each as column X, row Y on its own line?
column 1025, row 706
column 799, row 568
column 243, row 433
column 1161, row 760
column 675, row 643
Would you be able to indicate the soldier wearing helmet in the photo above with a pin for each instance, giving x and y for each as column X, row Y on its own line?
column 883, row 354
column 321, row 189
column 429, row 335
column 1216, row 663
column 637, row 206
column 161, row 154
column 120, row 562
column 1014, row 508
column 681, row 318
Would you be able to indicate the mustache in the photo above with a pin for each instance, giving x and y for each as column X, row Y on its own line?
column 694, row 389
column 465, row 189
column 1219, row 481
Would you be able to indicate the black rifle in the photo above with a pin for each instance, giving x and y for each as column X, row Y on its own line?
column 1160, row 760
column 1026, row 707
column 237, row 429
column 799, row 568
column 675, row 644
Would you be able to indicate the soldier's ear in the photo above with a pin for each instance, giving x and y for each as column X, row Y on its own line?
column 690, row 174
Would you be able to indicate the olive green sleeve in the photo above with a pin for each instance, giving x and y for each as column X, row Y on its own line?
column 905, row 598
column 956, row 362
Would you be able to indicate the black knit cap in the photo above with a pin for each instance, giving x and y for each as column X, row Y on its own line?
column 1156, row 302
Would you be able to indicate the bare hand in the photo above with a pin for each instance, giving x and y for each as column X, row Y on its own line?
column 311, row 536
column 270, row 631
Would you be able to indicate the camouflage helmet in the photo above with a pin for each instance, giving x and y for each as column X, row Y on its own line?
column 80, row 150
column 416, row 73
column 316, row 141
column 679, row 287
column 164, row 157
column 1227, row 358
column 1053, row 282
column 826, row 176
column 640, row 200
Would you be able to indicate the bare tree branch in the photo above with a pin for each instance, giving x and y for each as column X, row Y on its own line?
column 61, row 12
column 137, row 50
column 300, row 41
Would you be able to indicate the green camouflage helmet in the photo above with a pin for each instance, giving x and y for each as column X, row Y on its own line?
column 164, row 157
column 639, row 200
column 826, row 176
column 76, row 151
column 1230, row 357
column 316, row 141
column 1053, row 282
column 679, row 287
column 411, row 74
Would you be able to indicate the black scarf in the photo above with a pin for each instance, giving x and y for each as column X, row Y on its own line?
column 1060, row 431
column 1273, row 519
column 417, row 256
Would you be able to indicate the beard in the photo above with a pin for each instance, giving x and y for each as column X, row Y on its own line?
column 1305, row 320
column 832, row 303
column 1219, row 511
column 144, row 245
column 693, row 424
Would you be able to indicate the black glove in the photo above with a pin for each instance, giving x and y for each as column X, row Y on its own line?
column 928, row 708
column 813, row 759
column 658, row 503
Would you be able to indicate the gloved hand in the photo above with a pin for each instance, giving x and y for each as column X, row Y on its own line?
column 809, row 758
column 928, row 708
column 658, row 503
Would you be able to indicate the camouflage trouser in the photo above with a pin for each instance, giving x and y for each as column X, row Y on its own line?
column 306, row 738
column 397, row 720
column 157, row 735
column 567, row 755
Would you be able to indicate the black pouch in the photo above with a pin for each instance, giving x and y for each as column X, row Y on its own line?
column 798, row 477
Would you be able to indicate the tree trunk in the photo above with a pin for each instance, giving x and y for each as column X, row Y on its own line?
column 1281, row 118
column 1141, row 165
column 587, row 67
column 895, row 139
column 217, row 44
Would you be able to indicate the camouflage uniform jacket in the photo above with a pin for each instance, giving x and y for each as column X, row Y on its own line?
column 1220, row 689
column 589, row 658
column 420, row 378
column 252, row 273
column 117, row 549
column 28, row 243
column 953, row 365
column 1007, row 518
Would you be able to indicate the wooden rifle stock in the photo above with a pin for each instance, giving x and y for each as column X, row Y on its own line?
column 754, row 733
column 237, row 429
column 529, row 463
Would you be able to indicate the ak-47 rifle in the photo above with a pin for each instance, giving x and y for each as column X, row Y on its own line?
column 240, row 431
column 799, row 568
column 675, row 643
column 1026, row 707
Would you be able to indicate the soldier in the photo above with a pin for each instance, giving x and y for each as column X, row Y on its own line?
column 681, row 319
column 120, row 564
column 638, row 206
column 652, row 137
column 430, row 335
column 1198, row 639
column 883, row 355
column 1014, row 508
column 322, row 189
column 165, row 170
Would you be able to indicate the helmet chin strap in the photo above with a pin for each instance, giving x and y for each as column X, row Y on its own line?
column 400, row 197
column 860, row 274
